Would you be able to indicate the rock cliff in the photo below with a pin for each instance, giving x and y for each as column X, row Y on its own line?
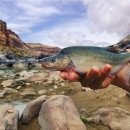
column 9, row 38
column 4, row 36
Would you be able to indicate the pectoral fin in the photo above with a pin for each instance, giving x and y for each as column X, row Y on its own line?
column 124, row 74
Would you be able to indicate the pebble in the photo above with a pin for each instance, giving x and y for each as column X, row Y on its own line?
column 18, row 87
column 27, row 84
column 27, row 93
column 42, row 92
column 55, row 86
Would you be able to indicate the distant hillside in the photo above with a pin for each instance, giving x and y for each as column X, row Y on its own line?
column 9, row 38
column 11, row 42
column 45, row 49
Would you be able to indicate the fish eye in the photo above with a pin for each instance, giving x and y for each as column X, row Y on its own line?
column 53, row 60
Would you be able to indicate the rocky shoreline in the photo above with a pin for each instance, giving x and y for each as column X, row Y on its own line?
column 40, row 99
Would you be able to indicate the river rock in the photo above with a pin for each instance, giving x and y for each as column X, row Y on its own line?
column 34, row 71
column 55, row 86
column 28, row 93
column 8, row 118
column 29, row 74
column 22, row 79
column 27, row 84
column 7, row 90
column 2, row 73
column 18, row 87
column 42, row 92
column 60, row 113
column 22, row 73
column 62, row 84
column 38, row 77
column 32, row 110
column 7, row 83
column 12, row 75
column 115, row 118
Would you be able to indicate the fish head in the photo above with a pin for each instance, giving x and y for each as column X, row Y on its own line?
column 57, row 62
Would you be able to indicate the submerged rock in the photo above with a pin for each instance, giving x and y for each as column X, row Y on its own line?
column 2, row 73
column 22, row 73
column 32, row 110
column 60, row 113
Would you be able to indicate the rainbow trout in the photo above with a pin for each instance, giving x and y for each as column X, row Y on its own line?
column 82, row 58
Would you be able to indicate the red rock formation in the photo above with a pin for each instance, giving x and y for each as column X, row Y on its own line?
column 14, row 40
column 4, row 37
column 9, row 38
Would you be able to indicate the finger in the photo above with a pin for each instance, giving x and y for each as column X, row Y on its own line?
column 127, row 50
column 106, row 82
column 72, row 76
column 103, row 79
column 63, row 75
column 90, row 76
column 104, row 72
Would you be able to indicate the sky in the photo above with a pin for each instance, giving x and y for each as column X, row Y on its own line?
column 68, row 22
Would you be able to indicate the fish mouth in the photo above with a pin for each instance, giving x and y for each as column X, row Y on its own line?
column 45, row 65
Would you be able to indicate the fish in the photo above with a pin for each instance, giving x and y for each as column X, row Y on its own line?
column 80, row 59
column 119, row 47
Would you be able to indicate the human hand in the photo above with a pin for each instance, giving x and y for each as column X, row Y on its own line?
column 95, row 78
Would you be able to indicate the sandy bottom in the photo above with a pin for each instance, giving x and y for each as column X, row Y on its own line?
column 91, row 101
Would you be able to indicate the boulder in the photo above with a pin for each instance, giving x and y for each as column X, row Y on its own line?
column 60, row 113
column 8, row 118
column 115, row 118
column 32, row 110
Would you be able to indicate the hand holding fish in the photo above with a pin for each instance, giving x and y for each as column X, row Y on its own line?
column 95, row 78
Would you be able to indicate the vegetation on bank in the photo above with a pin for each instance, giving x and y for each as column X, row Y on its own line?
column 18, row 51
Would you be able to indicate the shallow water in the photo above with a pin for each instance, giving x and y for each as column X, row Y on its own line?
column 18, row 105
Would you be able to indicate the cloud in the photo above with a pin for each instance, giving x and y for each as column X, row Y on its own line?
column 66, row 38
column 109, row 15
column 22, row 15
